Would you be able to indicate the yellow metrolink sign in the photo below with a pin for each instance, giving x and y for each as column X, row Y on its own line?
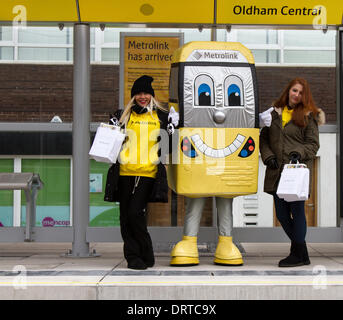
column 168, row 12
column 108, row 11
column 148, row 54
column 148, row 11
column 290, row 12
column 22, row 11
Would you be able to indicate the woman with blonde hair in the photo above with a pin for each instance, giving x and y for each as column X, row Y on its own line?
column 292, row 136
column 139, row 177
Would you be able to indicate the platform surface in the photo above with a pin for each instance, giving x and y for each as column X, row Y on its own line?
column 42, row 271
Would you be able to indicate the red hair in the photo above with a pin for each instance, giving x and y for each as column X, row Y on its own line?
column 304, row 107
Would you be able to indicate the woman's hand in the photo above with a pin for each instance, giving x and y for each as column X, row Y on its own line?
column 294, row 157
column 272, row 163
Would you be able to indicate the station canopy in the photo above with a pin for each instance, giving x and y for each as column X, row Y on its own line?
column 180, row 13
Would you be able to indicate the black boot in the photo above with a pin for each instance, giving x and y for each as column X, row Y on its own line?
column 306, row 258
column 296, row 257
column 149, row 261
column 136, row 263
column 148, row 257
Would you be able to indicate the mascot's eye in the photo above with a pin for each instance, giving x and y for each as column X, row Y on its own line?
column 233, row 91
column 234, row 95
column 203, row 91
column 204, row 95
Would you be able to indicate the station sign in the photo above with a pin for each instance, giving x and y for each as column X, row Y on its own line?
column 290, row 12
column 174, row 13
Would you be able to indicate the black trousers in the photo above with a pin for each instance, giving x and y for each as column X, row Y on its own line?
column 292, row 218
column 134, row 194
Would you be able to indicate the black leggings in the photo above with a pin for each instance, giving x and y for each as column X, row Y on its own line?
column 292, row 218
column 134, row 193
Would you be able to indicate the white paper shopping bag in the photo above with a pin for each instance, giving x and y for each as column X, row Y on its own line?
column 294, row 183
column 107, row 143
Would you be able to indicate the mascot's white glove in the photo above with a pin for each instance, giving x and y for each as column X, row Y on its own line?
column 266, row 118
column 173, row 117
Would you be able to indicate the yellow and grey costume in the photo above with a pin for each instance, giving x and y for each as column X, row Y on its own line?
column 213, row 87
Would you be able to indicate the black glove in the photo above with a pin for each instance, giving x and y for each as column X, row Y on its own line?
column 272, row 163
column 294, row 157
column 113, row 120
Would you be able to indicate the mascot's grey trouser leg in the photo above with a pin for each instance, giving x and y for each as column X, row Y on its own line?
column 185, row 252
column 194, row 210
column 226, row 253
column 224, row 212
column 194, row 207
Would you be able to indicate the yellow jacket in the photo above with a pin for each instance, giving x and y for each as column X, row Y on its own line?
column 139, row 156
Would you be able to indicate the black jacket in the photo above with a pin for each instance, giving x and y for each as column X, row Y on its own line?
column 160, row 189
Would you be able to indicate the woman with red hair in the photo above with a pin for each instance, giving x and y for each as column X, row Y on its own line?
column 292, row 136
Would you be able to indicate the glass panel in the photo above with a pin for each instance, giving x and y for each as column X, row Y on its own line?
column 257, row 36
column 196, row 35
column 92, row 36
column 53, row 201
column 102, row 213
column 92, row 53
column 45, row 54
column 6, row 33
column 309, row 56
column 110, row 54
column 6, row 197
column 266, row 56
column 221, row 35
column 70, row 35
column 6, row 53
column 310, row 38
column 43, row 35
column 112, row 35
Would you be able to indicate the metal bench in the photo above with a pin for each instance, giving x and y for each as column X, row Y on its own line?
column 30, row 183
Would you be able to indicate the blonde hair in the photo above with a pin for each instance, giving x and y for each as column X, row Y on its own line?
column 127, row 110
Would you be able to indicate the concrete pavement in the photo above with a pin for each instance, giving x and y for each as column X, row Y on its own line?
column 42, row 271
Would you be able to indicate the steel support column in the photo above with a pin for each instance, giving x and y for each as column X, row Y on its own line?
column 81, row 139
column 340, row 121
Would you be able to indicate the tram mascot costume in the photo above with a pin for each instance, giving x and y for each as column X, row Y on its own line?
column 214, row 106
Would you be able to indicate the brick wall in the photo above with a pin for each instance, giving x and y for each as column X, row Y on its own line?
column 38, row 92
column 322, row 81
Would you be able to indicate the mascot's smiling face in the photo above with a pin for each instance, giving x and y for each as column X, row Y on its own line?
column 218, row 96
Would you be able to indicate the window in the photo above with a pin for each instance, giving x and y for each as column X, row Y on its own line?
column 280, row 47
column 288, row 47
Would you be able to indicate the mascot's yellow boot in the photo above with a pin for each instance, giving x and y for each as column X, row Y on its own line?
column 185, row 252
column 227, row 253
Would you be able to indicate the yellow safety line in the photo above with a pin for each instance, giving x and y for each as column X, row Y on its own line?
column 271, row 282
